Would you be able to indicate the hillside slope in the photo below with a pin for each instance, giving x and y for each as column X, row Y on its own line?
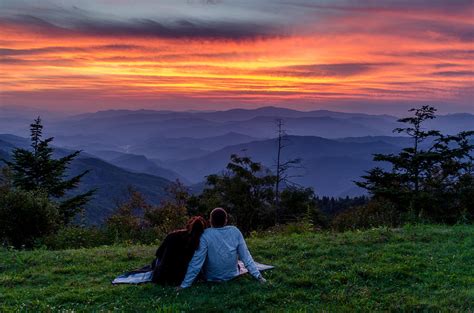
column 110, row 181
column 417, row 268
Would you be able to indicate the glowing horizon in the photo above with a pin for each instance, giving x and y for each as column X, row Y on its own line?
column 216, row 55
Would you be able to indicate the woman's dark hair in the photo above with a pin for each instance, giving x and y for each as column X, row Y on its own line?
column 218, row 217
column 195, row 227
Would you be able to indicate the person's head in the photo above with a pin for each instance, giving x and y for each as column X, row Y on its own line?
column 195, row 227
column 218, row 217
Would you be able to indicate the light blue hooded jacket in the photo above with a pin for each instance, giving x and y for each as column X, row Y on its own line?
column 218, row 253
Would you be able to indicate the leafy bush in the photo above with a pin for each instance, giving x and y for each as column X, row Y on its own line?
column 292, row 228
column 167, row 217
column 300, row 204
column 135, row 221
column 332, row 206
column 373, row 214
column 74, row 237
column 127, row 223
column 138, row 221
column 25, row 216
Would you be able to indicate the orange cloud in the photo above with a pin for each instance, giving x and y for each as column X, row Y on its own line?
column 389, row 54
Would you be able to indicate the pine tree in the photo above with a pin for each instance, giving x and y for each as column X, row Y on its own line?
column 408, row 167
column 429, row 182
column 37, row 170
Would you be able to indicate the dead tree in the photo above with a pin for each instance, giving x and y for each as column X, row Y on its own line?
column 283, row 167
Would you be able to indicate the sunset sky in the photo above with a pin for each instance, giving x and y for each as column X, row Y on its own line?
column 374, row 56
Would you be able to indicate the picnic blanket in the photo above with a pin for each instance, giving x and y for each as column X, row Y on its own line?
column 144, row 274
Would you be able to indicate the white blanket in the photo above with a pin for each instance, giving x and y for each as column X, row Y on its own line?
column 145, row 276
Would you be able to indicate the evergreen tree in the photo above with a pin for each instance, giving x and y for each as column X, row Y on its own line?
column 428, row 182
column 413, row 159
column 450, row 177
column 37, row 170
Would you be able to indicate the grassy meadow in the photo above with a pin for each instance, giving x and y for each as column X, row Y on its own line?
column 414, row 268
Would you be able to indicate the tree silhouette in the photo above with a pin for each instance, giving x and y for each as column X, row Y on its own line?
column 429, row 182
column 37, row 170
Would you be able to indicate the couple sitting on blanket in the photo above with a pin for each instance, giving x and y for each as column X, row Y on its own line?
column 215, row 251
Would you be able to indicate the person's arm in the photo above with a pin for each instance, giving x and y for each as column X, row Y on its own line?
column 196, row 263
column 246, row 258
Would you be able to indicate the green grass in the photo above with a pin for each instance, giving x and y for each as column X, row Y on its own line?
column 415, row 268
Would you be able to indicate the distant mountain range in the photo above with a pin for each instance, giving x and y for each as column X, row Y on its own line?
column 166, row 135
column 148, row 148
column 146, row 124
column 15, row 119
column 169, row 149
column 329, row 166
column 136, row 128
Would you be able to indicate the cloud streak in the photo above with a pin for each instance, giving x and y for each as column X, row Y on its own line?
column 179, row 29
column 325, row 70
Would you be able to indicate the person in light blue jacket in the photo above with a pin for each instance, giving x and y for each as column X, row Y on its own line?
column 220, row 247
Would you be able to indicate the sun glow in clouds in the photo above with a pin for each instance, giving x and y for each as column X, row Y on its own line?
column 103, row 54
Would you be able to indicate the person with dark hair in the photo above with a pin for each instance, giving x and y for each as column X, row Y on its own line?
column 218, row 218
column 174, row 254
column 219, row 250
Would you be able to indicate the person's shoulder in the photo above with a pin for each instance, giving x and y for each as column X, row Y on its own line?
column 234, row 230
column 207, row 232
column 227, row 228
column 177, row 234
column 214, row 230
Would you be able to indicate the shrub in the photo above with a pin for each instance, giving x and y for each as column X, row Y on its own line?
column 74, row 237
column 127, row 222
column 374, row 214
column 136, row 220
column 300, row 204
column 166, row 218
column 25, row 216
column 301, row 227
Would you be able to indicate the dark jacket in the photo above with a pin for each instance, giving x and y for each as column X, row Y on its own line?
column 173, row 257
